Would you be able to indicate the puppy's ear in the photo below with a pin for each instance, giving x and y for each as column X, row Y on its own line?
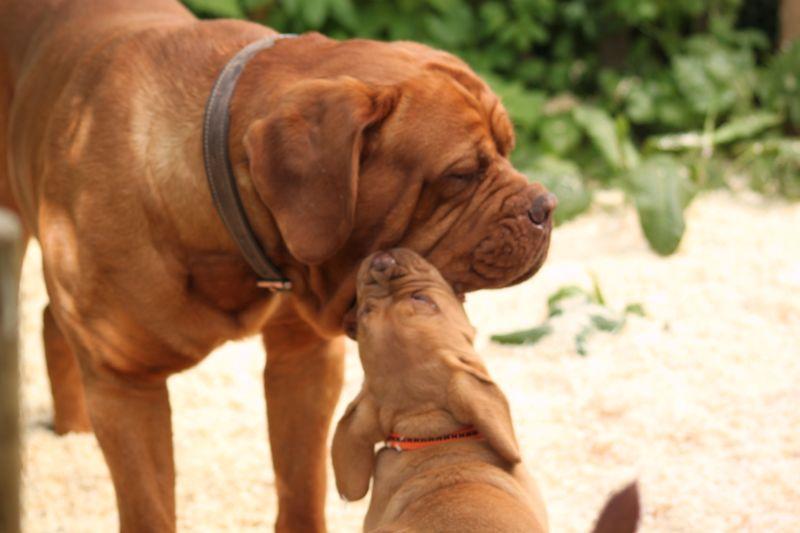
column 304, row 160
column 473, row 398
column 353, row 449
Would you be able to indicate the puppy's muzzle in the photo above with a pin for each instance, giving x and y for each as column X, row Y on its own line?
column 383, row 262
column 386, row 267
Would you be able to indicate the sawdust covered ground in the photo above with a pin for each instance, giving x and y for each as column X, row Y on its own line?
column 698, row 400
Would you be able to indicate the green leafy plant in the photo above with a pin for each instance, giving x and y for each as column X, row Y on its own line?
column 609, row 136
column 773, row 165
column 600, row 317
column 780, row 84
column 525, row 336
column 739, row 128
column 661, row 190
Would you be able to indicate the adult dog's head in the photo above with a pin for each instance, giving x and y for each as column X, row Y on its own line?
column 363, row 145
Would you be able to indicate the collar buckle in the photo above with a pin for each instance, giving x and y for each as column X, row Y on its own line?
column 274, row 285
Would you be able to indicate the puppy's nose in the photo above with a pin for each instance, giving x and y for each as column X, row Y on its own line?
column 383, row 261
column 543, row 206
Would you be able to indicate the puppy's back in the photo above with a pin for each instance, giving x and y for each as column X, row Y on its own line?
column 466, row 508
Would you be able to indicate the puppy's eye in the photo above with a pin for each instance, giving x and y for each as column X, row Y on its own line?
column 424, row 298
column 365, row 309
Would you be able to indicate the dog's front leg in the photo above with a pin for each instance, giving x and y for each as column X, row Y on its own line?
column 69, row 405
column 132, row 422
column 303, row 380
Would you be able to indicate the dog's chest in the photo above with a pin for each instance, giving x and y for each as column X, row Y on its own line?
column 224, row 282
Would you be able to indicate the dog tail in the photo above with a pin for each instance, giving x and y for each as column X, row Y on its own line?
column 621, row 512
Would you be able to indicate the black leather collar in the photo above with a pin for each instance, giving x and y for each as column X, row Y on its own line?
column 221, row 181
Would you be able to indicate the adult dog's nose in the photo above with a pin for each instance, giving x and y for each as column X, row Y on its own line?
column 383, row 261
column 543, row 206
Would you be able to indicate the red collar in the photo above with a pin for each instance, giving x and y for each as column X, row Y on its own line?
column 407, row 444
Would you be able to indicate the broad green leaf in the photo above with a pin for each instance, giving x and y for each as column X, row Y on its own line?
column 746, row 127
column 630, row 155
column 581, row 340
column 604, row 323
column 634, row 309
column 661, row 191
column 526, row 336
column 565, row 293
column 602, row 130
column 559, row 134
column 713, row 77
column 695, row 85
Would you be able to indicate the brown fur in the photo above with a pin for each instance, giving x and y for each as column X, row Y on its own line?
column 340, row 149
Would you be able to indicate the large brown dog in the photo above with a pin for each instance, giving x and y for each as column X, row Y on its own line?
column 339, row 149
column 451, row 463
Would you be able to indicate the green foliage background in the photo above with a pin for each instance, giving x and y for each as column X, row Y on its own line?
column 658, row 97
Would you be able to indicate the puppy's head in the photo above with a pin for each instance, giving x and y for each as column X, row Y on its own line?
column 415, row 343
column 405, row 307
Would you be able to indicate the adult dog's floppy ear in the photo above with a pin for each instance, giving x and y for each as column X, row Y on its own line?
column 473, row 398
column 353, row 449
column 304, row 160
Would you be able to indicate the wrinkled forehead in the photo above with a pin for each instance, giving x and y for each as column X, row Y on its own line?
column 438, row 119
column 453, row 85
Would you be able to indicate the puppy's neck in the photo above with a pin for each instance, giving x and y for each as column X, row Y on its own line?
column 425, row 424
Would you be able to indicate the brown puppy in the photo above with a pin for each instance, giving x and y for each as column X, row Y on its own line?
column 339, row 149
column 424, row 381
column 451, row 460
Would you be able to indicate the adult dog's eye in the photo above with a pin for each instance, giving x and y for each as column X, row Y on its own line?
column 424, row 298
column 466, row 176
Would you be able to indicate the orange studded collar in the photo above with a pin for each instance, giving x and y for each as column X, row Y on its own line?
column 407, row 444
